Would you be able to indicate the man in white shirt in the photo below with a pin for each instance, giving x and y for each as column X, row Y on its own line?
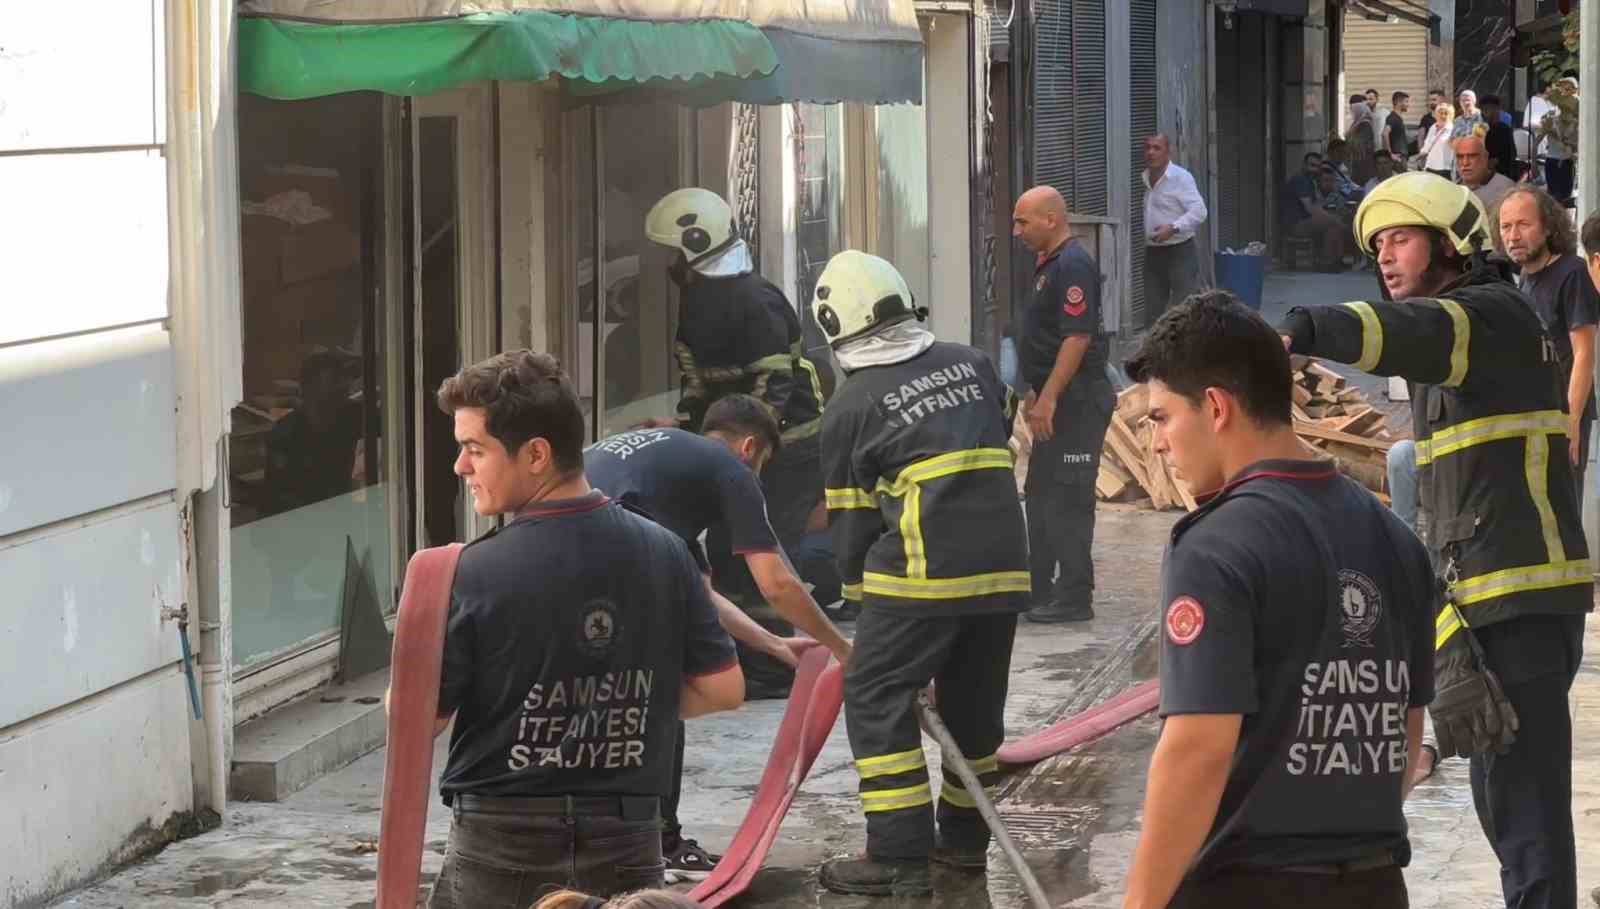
column 1173, row 211
column 1478, row 173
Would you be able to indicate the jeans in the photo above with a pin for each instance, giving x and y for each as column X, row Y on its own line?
column 1403, row 481
column 500, row 858
column 1171, row 274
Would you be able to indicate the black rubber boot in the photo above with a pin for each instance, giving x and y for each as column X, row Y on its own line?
column 968, row 858
column 865, row 877
column 1058, row 613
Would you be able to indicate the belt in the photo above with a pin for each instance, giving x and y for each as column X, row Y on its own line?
column 626, row 807
column 1354, row 866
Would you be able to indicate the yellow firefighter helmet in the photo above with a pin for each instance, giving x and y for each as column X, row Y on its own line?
column 1424, row 200
column 695, row 221
column 858, row 294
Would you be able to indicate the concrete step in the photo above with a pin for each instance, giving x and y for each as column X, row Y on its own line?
column 291, row 747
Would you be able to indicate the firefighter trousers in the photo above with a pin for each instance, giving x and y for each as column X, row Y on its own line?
column 968, row 658
column 1524, row 797
column 1060, row 496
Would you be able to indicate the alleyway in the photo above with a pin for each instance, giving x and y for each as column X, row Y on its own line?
column 1077, row 815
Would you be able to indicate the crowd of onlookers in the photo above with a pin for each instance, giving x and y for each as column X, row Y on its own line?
column 1474, row 141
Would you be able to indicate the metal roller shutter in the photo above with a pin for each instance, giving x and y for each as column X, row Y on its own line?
column 1144, row 123
column 1388, row 56
column 1241, row 113
column 1070, row 101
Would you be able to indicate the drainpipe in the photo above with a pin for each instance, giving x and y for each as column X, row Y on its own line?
column 203, row 229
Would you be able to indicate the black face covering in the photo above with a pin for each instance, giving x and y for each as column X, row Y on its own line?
column 679, row 271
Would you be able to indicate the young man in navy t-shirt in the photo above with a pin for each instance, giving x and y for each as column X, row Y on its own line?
column 579, row 634
column 1297, row 645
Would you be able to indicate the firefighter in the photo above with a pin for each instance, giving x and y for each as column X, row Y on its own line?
column 738, row 333
column 1503, row 510
column 929, row 536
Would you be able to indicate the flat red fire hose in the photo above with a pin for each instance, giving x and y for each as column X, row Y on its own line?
column 1085, row 727
column 414, row 708
column 814, row 704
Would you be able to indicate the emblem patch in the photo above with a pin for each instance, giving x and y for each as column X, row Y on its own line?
column 1038, row 286
column 1360, row 607
column 1075, row 304
column 1185, row 620
column 598, row 629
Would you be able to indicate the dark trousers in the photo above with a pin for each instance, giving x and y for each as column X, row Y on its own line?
column 1584, row 437
column 792, row 483
column 1060, row 496
column 671, row 829
column 1171, row 274
column 1559, row 177
column 1383, row 888
column 969, row 661
column 502, row 858
column 1524, row 797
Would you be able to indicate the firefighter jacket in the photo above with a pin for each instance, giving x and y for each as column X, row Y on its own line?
column 740, row 335
column 922, row 501
column 1491, row 441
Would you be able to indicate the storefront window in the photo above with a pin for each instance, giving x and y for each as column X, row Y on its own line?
column 640, row 162
column 307, row 465
column 901, row 208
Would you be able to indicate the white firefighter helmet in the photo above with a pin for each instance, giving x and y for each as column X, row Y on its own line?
column 695, row 221
column 858, row 294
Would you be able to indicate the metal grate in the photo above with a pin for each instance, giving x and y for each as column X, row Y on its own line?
column 1145, row 122
column 1241, row 110
column 1069, row 116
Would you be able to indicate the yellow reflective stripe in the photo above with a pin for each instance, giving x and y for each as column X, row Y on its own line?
column 1536, row 465
column 1462, row 340
column 984, row 765
column 891, row 764
column 949, row 463
column 803, row 431
column 798, row 351
column 775, row 363
column 948, row 588
column 852, row 592
column 1490, row 429
column 1445, row 625
column 1518, row 580
column 1371, row 336
column 850, row 498
column 911, row 532
column 897, row 799
column 957, row 795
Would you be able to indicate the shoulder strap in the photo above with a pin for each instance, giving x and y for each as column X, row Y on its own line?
column 413, row 709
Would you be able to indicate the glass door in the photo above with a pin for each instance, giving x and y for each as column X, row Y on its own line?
column 453, row 315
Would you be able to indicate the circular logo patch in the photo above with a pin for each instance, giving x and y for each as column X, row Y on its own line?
column 1074, row 294
column 1185, row 619
column 1360, row 605
column 598, row 628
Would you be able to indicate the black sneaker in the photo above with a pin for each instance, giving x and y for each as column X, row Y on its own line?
column 689, row 863
column 865, row 877
column 975, row 858
column 1057, row 613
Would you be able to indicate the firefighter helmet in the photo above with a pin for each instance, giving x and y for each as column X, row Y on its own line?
column 695, row 221
column 1424, row 200
column 858, row 294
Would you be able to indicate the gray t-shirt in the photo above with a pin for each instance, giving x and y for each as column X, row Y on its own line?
column 1296, row 599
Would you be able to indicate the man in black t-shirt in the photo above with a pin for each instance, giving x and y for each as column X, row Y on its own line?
column 1063, row 354
column 1297, row 651
column 1394, row 127
column 1535, row 233
column 687, row 483
column 566, row 676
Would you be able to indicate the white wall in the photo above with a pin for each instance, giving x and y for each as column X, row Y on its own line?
column 90, row 544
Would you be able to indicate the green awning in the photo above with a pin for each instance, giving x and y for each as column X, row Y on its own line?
column 289, row 59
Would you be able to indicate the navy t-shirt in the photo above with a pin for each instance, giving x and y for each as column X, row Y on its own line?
column 1066, row 301
column 570, row 633
column 1295, row 598
column 1565, row 299
column 686, row 483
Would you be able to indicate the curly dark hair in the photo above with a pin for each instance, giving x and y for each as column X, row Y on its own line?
column 525, row 395
column 1211, row 340
column 1559, row 234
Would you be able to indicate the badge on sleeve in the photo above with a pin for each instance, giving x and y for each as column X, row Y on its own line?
column 1075, row 304
column 1185, row 619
